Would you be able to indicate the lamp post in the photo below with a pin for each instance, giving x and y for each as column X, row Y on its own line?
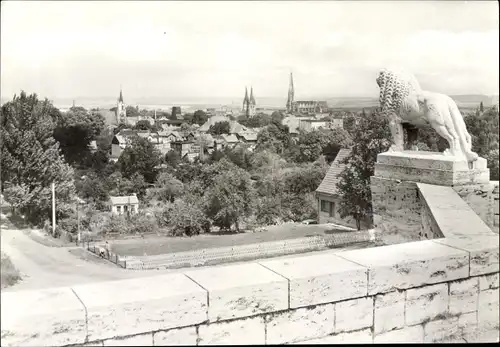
column 78, row 202
column 53, row 209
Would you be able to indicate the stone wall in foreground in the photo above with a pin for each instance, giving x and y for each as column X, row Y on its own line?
column 431, row 291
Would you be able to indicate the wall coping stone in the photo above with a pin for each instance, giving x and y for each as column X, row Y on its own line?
column 453, row 215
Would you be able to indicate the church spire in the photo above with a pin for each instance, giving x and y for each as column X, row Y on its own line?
column 252, row 99
column 291, row 95
column 245, row 100
column 120, row 99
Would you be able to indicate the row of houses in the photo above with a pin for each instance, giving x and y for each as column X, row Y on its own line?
column 310, row 123
column 191, row 144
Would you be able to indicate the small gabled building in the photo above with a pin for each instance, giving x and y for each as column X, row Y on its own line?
column 124, row 204
column 118, row 145
column 328, row 197
column 230, row 140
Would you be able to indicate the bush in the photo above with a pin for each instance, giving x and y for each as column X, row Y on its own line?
column 187, row 219
column 163, row 215
column 68, row 225
column 116, row 225
column 303, row 207
column 9, row 274
column 142, row 224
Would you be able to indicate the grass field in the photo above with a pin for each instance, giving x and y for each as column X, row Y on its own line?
column 155, row 245
column 9, row 274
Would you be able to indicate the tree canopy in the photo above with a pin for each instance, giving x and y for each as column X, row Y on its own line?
column 75, row 130
column 372, row 136
column 140, row 157
column 199, row 117
column 31, row 159
column 220, row 128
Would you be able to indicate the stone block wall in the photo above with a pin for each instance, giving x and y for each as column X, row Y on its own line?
column 442, row 290
column 496, row 207
column 397, row 210
column 480, row 198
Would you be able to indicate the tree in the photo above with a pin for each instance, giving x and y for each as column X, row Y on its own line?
column 144, row 125
column 308, row 147
column 187, row 218
column 119, row 128
column 199, row 117
column 230, row 198
column 274, row 137
column 186, row 172
column 481, row 107
column 167, row 187
column 74, row 132
column 277, row 117
column 92, row 189
column 220, row 128
column 334, row 140
column 484, row 131
column 132, row 111
column 117, row 185
column 31, row 159
column 215, row 156
column 350, row 121
column 141, row 157
column 372, row 136
column 172, row 158
column 258, row 121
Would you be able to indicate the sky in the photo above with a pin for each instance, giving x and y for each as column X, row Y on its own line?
column 214, row 49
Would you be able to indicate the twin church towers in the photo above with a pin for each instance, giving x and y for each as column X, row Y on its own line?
column 249, row 105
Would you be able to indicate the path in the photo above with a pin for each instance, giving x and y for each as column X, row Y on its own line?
column 43, row 267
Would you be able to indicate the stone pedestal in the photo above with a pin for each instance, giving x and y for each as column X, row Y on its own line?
column 398, row 212
column 431, row 168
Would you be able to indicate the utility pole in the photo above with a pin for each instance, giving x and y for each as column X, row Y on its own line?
column 78, row 222
column 53, row 209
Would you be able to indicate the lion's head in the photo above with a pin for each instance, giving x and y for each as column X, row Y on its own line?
column 397, row 87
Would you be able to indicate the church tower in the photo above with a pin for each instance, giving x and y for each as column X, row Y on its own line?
column 245, row 103
column 251, row 104
column 291, row 95
column 121, row 112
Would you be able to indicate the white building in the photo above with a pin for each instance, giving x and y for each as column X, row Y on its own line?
column 124, row 204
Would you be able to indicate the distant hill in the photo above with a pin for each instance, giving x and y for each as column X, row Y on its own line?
column 473, row 100
column 463, row 101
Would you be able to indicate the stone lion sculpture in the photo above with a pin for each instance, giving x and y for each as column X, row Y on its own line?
column 406, row 105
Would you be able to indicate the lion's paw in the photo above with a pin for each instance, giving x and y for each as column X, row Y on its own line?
column 471, row 156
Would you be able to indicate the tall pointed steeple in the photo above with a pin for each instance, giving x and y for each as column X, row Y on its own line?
column 246, row 96
column 120, row 99
column 245, row 100
column 291, row 95
column 252, row 99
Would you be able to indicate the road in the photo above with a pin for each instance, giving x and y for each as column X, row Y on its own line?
column 42, row 266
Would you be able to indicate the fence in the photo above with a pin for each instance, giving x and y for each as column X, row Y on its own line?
column 105, row 253
column 211, row 256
